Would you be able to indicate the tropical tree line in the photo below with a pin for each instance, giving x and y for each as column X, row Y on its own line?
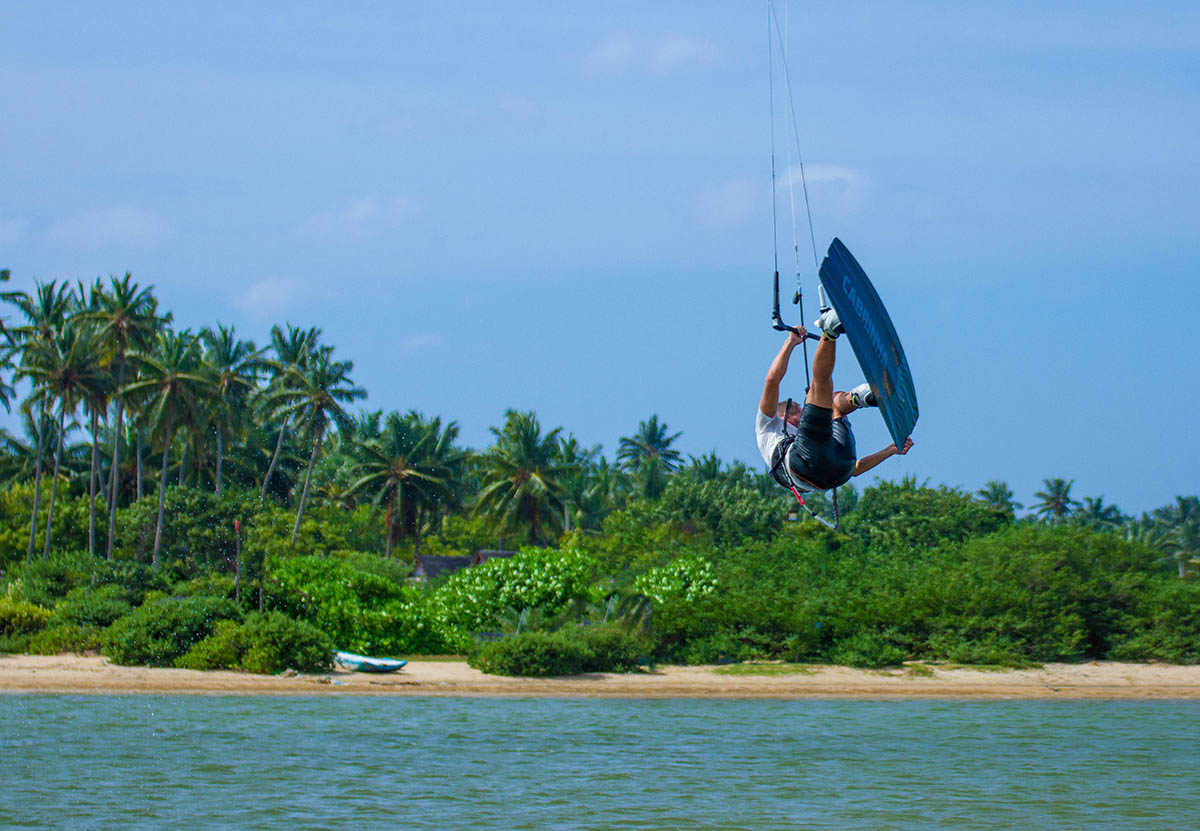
column 1173, row 530
column 121, row 404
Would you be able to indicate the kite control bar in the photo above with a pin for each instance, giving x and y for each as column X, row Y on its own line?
column 777, row 319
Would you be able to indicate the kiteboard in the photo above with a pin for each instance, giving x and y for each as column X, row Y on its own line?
column 873, row 339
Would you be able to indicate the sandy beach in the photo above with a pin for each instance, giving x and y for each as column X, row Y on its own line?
column 1097, row 680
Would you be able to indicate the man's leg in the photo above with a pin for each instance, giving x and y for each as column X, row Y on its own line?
column 821, row 391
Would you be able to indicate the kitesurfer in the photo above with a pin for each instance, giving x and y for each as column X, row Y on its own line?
column 817, row 452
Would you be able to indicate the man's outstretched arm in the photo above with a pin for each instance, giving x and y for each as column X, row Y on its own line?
column 867, row 462
column 770, row 397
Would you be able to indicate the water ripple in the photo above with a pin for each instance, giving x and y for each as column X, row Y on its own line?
column 84, row 762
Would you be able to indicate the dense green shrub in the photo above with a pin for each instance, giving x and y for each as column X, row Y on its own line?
column 1163, row 625
column 136, row 579
column 472, row 599
column 531, row 654
column 867, row 649
column 1042, row 594
column 632, row 539
column 689, row 579
column 768, row 604
column 19, row 617
column 359, row 611
column 66, row 638
column 197, row 530
column 15, row 644
column 324, row 530
column 461, row 535
column 160, row 631
column 568, row 651
column 95, row 607
column 47, row 581
column 1020, row 595
column 263, row 643
column 208, row 585
column 397, row 571
column 70, row 521
column 722, row 510
column 613, row 648
column 902, row 518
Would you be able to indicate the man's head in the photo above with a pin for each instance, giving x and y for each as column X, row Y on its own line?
column 789, row 410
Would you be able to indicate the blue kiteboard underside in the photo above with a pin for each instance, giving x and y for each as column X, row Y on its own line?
column 873, row 338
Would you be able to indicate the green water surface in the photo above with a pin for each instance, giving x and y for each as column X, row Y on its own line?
column 344, row 762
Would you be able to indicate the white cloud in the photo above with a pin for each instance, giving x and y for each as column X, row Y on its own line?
column 110, row 226
column 832, row 187
column 266, row 298
column 730, row 203
column 675, row 53
column 614, row 54
column 621, row 53
column 361, row 218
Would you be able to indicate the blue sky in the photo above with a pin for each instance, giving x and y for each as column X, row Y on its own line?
column 567, row 208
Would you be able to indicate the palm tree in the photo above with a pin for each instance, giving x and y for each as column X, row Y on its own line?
column 649, row 475
column 412, row 466
column 173, row 379
column 45, row 316
column 1184, row 547
column 67, row 369
column 999, row 495
column 610, row 489
column 128, row 318
column 1095, row 514
column 1056, row 504
column 577, row 462
column 6, row 354
column 316, row 396
column 235, row 364
column 96, row 401
column 293, row 349
column 1147, row 532
column 706, row 468
column 18, row 456
column 522, row 477
column 1180, row 527
column 649, row 442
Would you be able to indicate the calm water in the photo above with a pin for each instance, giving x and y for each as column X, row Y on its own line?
column 90, row 762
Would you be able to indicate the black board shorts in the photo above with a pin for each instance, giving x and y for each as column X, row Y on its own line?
column 823, row 454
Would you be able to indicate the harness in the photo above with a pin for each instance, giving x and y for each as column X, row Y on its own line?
column 783, row 475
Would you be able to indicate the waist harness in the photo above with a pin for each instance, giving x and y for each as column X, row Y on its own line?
column 782, row 474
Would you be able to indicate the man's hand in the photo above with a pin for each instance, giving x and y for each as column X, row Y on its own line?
column 908, row 443
column 797, row 337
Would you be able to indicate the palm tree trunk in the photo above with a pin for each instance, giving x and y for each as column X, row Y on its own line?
column 220, row 452
column 138, row 444
column 162, row 493
column 417, row 536
column 183, row 457
column 312, row 460
column 92, row 486
column 37, row 479
column 388, row 530
column 274, row 461
column 115, row 472
column 535, row 527
column 62, row 420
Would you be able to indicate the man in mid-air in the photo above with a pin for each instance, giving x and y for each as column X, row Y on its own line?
column 817, row 453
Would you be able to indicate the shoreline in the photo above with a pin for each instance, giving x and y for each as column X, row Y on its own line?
column 93, row 674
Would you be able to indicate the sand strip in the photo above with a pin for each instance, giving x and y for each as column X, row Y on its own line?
column 1098, row 680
